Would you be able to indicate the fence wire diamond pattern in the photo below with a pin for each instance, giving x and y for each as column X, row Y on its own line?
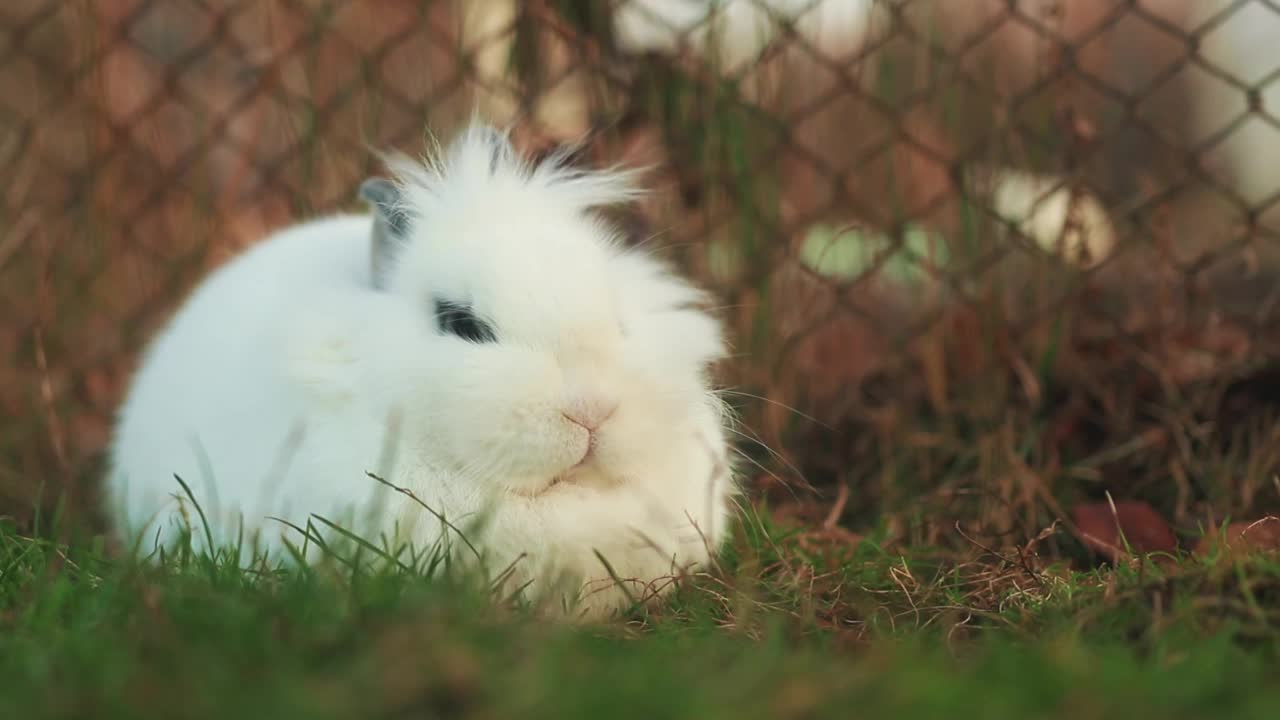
column 978, row 209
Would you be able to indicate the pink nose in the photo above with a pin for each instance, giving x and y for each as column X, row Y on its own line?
column 591, row 412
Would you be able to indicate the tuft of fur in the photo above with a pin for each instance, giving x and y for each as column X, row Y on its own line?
column 290, row 375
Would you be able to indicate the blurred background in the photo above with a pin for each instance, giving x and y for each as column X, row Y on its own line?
column 983, row 260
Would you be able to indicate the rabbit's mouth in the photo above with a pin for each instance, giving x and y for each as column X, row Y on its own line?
column 587, row 471
column 529, row 493
column 568, row 476
column 588, row 456
column 571, row 475
column 574, row 475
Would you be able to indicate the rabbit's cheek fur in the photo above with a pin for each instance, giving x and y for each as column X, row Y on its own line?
column 644, row 437
column 499, row 416
column 651, row 448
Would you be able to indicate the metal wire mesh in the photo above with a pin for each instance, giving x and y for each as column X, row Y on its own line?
column 977, row 209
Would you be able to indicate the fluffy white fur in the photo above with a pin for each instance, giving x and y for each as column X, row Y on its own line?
column 288, row 375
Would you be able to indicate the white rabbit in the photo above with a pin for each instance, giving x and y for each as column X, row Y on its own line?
column 503, row 355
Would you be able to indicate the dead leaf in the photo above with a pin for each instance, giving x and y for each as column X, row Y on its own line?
column 1243, row 537
column 1144, row 530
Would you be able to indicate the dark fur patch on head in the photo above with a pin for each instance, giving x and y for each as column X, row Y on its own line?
column 384, row 196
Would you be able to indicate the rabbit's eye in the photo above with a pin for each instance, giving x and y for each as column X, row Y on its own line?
column 457, row 319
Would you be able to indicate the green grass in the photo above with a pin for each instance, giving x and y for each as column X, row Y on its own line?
column 784, row 629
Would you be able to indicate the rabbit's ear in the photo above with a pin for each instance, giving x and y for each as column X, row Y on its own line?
column 390, row 224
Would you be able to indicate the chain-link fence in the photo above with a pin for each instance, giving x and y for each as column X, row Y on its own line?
column 1032, row 242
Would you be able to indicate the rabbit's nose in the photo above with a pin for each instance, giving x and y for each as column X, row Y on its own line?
column 590, row 412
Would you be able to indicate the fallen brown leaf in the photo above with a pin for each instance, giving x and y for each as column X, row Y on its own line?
column 1101, row 526
column 1243, row 537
